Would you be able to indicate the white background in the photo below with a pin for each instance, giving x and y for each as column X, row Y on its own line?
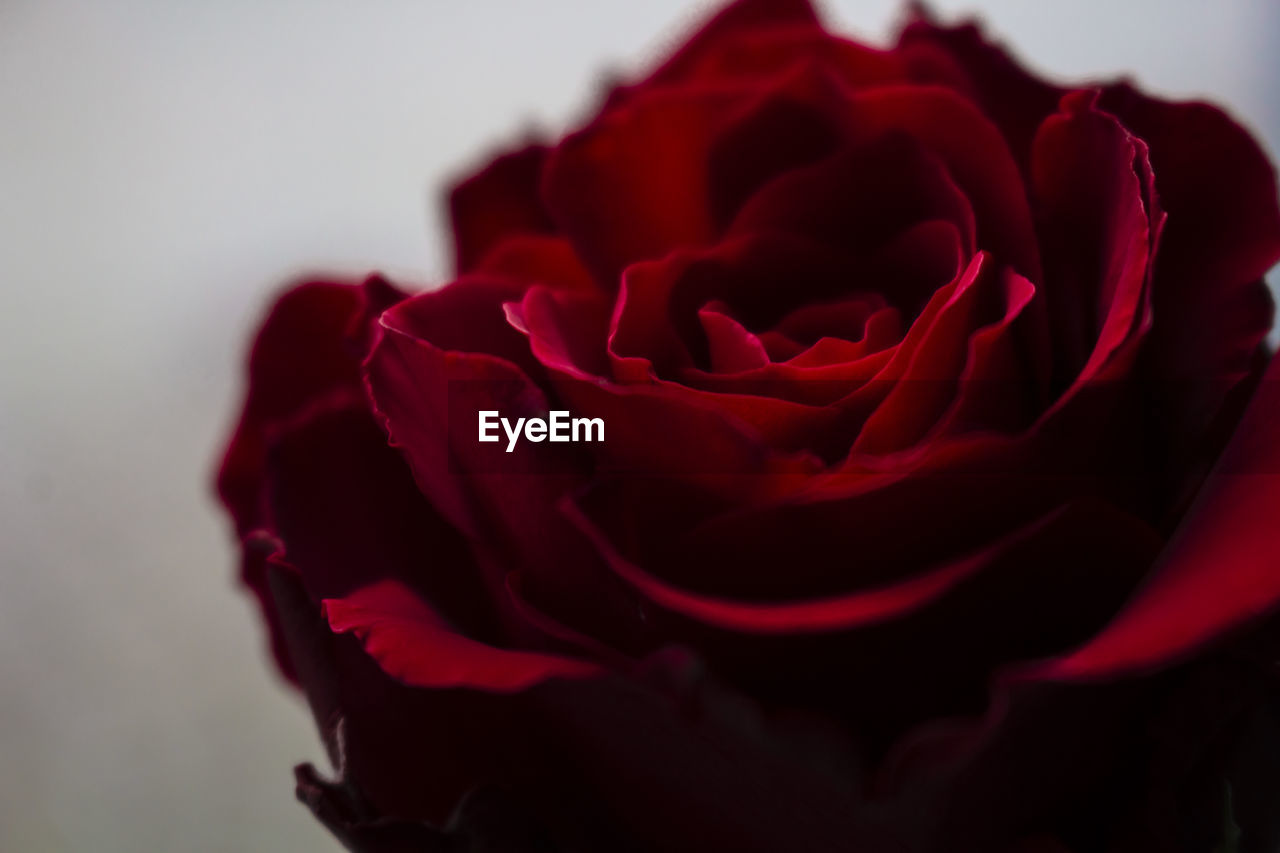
column 162, row 167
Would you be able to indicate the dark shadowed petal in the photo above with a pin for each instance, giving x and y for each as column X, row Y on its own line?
column 1222, row 235
column 861, row 200
column 344, row 813
column 348, row 512
column 668, row 168
column 1133, row 762
column 778, row 134
column 1092, row 194
column 1220, row 572
column 691, row 769
column 949, row 625
column 972, row 489
column 309, row 347
column 663, row 762
column 977, row 157
column 1001, row 388
column 1014, row 99
column 411, row 754
column 863, row 607
column 307, row 353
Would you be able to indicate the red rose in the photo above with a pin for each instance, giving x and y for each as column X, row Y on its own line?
column 936, row 503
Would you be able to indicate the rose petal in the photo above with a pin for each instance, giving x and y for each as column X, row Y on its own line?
column 381, row 734
column 429, row 398
column 348, row 512
column 860, row 200
column 304, row 351
column 1015, row 100
column 862, row 608
column 414, row 645
column 975, row 155
column 428, row 386
column 973, row 489
column 632, row 184
column 1221, row 571
column 730, row 347
column 929, row 379
column 766, row 54
column 713, row 441
column 999, row 388
column 1096, row 231
column 536, row 260
column 307, row 351
column 732, row 22
column 720, row 433
column 843, row 319
column 498, row 203
column 666, row 168
column 778, row 134
column 1223, row 234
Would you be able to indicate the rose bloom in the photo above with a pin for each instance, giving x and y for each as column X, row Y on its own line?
column 937, row 504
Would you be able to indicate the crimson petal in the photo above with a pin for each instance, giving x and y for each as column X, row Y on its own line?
column 414, row 645
column 498, row 203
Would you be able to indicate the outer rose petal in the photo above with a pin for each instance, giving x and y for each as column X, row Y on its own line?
column 413, row 645
column 349, row 514
column 764, row 54
column 600, row 763
column 734, row 21
column 1014, row 99
column 382, row 734
column 455, row 335
column 500, row 202
column 537, row 260
column 427, row 388
column 1222, row 236
column 607, row 763
column 1133, row 765
column 308, row 350
column 1220, row 572
column 1018, row 597
column 822, row 616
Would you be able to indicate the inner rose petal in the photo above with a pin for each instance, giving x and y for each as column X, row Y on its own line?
column 862, row 199
column 730, row 347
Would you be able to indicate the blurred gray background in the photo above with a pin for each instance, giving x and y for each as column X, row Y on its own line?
column 163, row 166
